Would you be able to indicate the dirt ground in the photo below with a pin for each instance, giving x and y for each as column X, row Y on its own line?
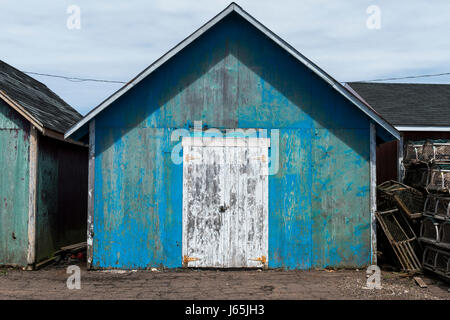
column 50, row 283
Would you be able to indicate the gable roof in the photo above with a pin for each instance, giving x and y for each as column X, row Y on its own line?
column 33, row 100
column 408, row 104
column 233, row 7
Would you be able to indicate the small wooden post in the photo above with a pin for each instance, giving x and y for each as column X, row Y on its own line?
column 91, row 182
column 33, row 167
column 400, row 159
column 373, row 192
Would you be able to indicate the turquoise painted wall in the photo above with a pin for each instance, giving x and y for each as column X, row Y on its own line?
column 233, row 77
column 14, row 164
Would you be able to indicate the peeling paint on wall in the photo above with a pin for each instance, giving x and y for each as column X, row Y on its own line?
column 14, row 163
column 233, row 77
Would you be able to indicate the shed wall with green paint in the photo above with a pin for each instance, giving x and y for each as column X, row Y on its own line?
column 233, row 76
column 14, row 184
column 61, row 192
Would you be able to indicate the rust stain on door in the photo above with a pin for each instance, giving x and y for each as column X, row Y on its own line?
column 225, row 204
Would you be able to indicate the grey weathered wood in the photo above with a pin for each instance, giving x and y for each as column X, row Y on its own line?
column 74, row 246
column 21, row 111
column 91, row 182
column 400, row 159
column 33, row 167
column 219, row 174
column 373, row 192
column 420, row 282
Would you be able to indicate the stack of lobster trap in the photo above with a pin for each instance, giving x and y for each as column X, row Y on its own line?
column 427, row 168
column 400, row 209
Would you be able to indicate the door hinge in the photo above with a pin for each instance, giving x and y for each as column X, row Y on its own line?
column 190, row 158
column 262, row 259
column 261, row 158
column 187, row 259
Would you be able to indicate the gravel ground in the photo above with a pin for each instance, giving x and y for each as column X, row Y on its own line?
column 50, row 283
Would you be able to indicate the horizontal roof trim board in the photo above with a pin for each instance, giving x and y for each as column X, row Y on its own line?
column 419, row 128
column 226, row 142
column 235, row 8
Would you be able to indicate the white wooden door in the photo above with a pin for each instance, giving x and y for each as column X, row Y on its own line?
column 225, row 202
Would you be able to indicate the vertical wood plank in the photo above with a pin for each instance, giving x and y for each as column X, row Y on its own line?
column 91, row 183
column 373, row 192
column 225, row 213
column 238, row 242
column 253, row 195
column 32, row 196
column 265, row 204
column 185, row 207
column 400, row 159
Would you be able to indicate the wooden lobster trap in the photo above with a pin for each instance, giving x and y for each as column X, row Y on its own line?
column 414, row 152
column 409, row 200
column 437, row 206
column 435, row 232
column 437, row 261
column 439, row 179
column 426, row 151
column 444, row 234
column 401, row 238
column 429, row 231
column 416, row 175
column 437, row 151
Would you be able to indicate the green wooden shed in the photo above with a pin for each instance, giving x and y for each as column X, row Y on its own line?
column 43, row 178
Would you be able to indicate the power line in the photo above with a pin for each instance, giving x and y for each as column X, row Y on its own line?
column 408, row 77
column 77, row 79
column 73, row 79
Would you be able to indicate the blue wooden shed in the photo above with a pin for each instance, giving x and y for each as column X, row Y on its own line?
column 232, row 150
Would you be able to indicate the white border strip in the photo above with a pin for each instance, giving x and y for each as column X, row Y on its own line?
column 418, row 128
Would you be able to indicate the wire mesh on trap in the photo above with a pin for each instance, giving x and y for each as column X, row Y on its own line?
column 416, row 175
column 437, row 206
column 429, row 231
column 437, row 260
column 427, row 151
column 395, row 194
column 413, row 151
column 444, row 233
column 439, row 152
column 401, row 237
column 439, row 178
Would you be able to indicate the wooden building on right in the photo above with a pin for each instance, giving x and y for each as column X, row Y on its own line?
column 418, row 111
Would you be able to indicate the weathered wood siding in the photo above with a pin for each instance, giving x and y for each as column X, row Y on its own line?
column 14, row 183
column 225, row 203
column 233, row 77
column 61, row 214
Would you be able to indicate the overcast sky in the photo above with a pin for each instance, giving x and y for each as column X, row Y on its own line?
column 118, row 39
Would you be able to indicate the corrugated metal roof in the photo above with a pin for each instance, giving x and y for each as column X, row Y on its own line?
column 408, row 104
column 38, row 101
